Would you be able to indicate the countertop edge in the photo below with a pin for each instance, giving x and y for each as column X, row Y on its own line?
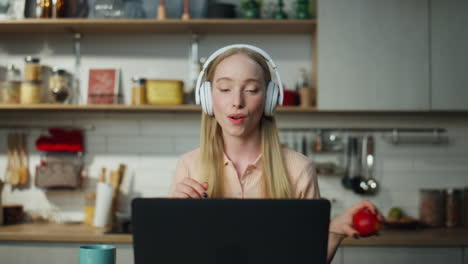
column 49, row 233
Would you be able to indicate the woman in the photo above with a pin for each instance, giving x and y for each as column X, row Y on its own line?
column 240, row 155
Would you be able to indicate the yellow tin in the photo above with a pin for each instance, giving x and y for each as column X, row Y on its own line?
column 165, row 91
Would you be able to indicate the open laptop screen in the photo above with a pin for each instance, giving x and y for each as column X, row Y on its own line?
column 207, row 231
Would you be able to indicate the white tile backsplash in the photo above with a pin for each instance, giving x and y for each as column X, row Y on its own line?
column 151, row 143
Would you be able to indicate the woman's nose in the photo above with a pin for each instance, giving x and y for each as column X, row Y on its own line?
column 238, row 100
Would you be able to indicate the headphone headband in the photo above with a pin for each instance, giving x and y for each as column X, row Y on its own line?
column 220, row 51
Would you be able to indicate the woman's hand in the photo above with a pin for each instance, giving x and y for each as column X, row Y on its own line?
column 190, row 188
column 343, row 224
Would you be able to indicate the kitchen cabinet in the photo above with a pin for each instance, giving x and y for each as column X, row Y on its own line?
column 465, row 256
column 392, row 255
column 373, row 55
column 449, row 53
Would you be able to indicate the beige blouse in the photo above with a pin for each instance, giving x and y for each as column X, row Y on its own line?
column 301, row 172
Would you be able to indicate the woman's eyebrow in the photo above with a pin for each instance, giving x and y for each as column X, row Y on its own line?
column 252, row 80
column 223, row 79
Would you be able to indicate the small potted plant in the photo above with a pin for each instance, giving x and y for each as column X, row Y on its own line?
column 250, row 8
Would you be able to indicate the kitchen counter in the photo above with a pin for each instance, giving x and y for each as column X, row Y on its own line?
column 45, row 232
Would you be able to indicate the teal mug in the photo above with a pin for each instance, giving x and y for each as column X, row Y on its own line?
column 97, row 254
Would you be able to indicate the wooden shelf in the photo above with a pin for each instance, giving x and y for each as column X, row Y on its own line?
column 195, row 109
column 261, row 26
column 127, row 108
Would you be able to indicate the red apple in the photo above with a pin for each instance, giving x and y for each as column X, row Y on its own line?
column 366, row 222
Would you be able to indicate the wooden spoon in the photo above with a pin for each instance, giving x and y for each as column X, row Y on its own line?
column 23, row 171
column 9, row 168
column 15, row 176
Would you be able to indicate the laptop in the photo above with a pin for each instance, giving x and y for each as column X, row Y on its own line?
column 225, row 231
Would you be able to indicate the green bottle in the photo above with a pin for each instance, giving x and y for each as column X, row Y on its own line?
column 302, row 9
column 279, row 12
column 251, row 9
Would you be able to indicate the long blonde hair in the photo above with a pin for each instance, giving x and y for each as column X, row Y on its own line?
column 274, row 174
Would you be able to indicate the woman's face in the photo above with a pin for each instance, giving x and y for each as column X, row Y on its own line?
column 238, row 90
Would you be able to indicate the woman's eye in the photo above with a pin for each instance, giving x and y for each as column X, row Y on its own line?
column 254, row 91
column 224, row 90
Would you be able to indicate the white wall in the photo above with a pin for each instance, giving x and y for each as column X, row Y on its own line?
column 150, row 143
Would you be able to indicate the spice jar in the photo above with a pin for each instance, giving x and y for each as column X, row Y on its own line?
column 432, row 207
column 10, row 92
column 32, row 69
column 58, row 86
column 44, row 8
column 453, row 208
column 30, row 93
column 90, row 204
column 138, row 91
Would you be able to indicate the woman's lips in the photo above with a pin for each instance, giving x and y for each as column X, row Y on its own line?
column 236, row 119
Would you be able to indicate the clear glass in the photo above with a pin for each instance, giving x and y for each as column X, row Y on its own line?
column 108, row 9
column 134, row 9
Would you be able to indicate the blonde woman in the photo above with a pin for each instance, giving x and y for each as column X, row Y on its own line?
column 240, row 155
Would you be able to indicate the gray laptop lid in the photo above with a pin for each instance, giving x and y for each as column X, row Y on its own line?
column 193, row 231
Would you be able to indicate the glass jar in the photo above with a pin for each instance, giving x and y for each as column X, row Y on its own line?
column 453, row 208
column 108, row 9
column 432, row 207
column 58, row 8
column 58, row 86
column 13, row 74
column 90, row 201
column 10, row 92
column 138, row 91
column 32, row 69
column 30, row 93
column 44, row 8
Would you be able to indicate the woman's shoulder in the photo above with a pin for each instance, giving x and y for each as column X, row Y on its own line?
column 190, row 157
column 296, row 163
column 292, row 156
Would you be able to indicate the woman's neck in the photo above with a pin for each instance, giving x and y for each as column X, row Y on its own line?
column 243, row 150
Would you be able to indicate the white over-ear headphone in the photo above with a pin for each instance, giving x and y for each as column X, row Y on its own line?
column 203, row 88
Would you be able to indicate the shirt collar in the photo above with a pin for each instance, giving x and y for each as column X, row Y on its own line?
column 256, row 164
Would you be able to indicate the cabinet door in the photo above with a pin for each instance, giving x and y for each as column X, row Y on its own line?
column 373, row 55
column 465, row 256
column 449, row 54
column 392, row 255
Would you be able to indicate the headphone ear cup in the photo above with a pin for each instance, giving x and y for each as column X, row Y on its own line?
column 205, row 98
column 202, row 96
column 271, row 98
column 208, row 99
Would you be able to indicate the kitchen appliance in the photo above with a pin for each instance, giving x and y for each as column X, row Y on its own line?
column 353, row 174
column 368, row 185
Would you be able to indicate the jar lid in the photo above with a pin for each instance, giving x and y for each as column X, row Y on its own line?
column 59, row 71
column 138, row 79
column 30, row 59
